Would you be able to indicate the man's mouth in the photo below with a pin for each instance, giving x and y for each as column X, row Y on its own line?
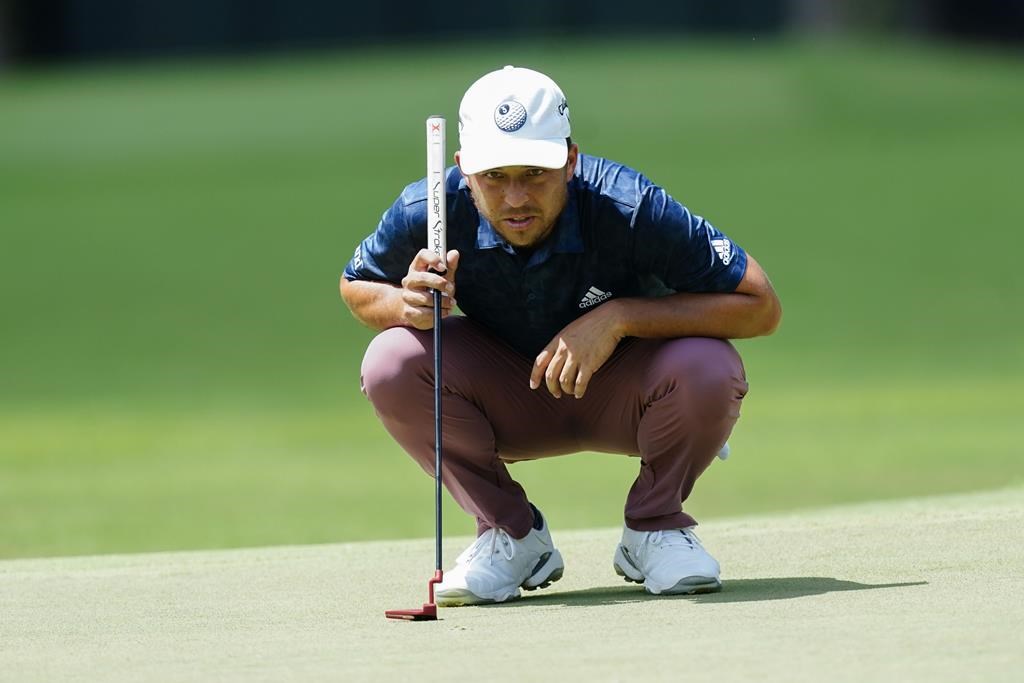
column 519, row 222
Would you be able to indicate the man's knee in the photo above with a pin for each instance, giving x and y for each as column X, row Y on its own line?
column 395, row 361
column 707, row 370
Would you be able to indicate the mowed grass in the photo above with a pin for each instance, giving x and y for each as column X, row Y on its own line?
column 177, row 371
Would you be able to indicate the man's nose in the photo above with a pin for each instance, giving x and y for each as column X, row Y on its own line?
column 515, row 194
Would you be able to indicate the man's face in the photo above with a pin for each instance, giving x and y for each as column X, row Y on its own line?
column 523, row 203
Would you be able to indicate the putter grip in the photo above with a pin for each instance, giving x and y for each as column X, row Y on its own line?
column 437, row 217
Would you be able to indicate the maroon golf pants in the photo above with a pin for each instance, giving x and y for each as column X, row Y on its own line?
column 672, row 402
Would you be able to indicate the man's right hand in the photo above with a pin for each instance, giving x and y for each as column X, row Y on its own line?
column 423, row 277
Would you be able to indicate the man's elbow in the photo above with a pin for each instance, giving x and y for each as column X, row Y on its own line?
column 771, row 316
column 345, row 289
column 350, row 297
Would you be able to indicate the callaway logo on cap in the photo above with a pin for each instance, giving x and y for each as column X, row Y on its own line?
column 513, row 117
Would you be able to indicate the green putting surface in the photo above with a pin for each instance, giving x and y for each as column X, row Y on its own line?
column 918, row 590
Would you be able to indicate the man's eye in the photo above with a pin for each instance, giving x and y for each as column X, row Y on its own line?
column 492, row 175
column 535, row 172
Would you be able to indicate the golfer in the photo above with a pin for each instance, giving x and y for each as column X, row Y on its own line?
column 595, row 314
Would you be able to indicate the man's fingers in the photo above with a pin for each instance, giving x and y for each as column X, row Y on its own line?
column 453, row 264
column 554, row 372
column 420, row 308
column 418, row 298
column 447, row 304
column 426, row 274
column 539, row 366
column 422, row 280
column 582, row 380
column 424, row 298
column 567, row 378
column 426, row 260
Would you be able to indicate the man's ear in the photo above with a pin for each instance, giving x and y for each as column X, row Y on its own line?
column 469, row 184
column 571, row 160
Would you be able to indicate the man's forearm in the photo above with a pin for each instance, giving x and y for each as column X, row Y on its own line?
column 375, row 304
column 725, row 316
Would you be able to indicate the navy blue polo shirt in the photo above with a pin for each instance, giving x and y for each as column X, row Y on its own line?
column 620, row 235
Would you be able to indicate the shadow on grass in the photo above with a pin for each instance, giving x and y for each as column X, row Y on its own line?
column 733, row 590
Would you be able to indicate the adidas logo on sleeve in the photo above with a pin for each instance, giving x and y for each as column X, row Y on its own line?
column 723, row 247
column 593, row 297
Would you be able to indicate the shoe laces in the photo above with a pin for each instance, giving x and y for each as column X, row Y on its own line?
column 496, row 541
column 675, row 537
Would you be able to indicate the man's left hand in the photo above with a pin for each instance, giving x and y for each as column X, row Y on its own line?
column 570, row 359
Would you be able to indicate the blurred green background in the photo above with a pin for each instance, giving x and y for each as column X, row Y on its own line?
column 178, row 371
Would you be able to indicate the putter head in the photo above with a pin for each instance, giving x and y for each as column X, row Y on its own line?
column 426, row 613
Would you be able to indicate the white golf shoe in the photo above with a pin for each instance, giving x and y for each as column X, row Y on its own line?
column 669, row 562
column 496, row 565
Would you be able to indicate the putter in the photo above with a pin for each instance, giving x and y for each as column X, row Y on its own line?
column 436, row 242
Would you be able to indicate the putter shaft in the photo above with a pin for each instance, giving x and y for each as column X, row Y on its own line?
column 437, row 430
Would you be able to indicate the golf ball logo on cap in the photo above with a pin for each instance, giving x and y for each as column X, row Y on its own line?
column 510, row 116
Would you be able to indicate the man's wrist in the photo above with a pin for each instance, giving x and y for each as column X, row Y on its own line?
column 619, row 310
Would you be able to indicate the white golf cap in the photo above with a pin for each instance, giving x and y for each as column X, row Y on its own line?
column 513, row 117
